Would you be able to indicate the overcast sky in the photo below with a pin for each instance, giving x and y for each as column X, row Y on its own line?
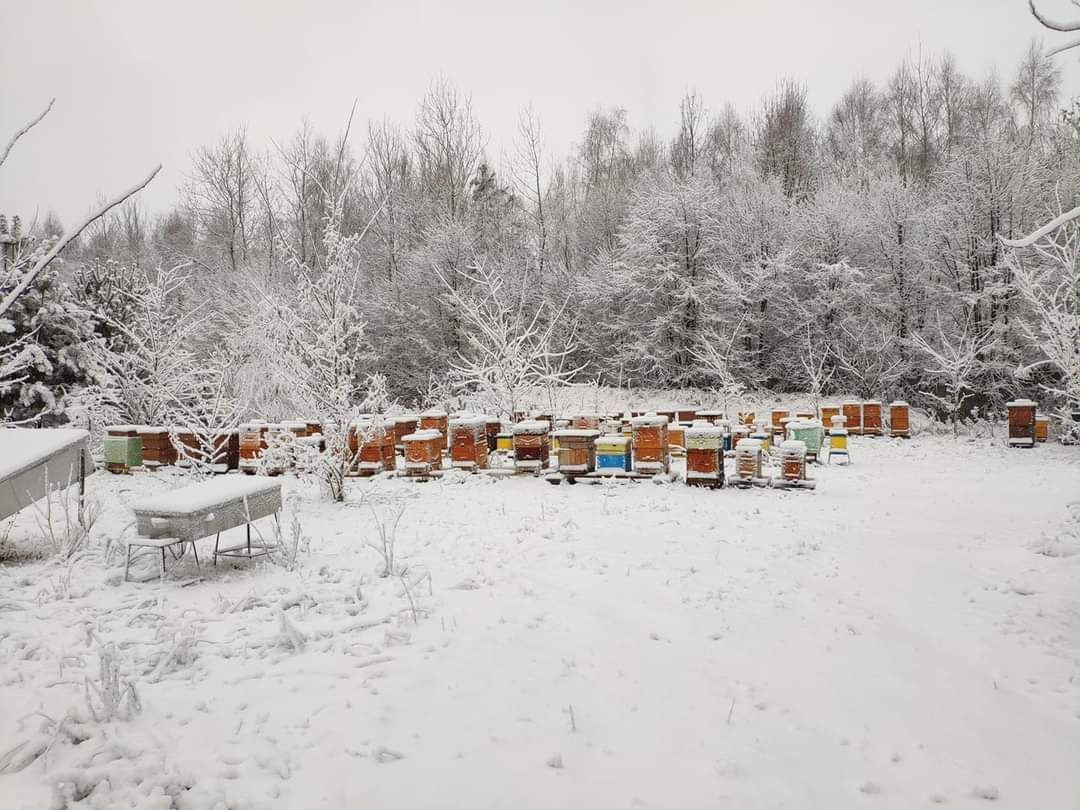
column 139, row 82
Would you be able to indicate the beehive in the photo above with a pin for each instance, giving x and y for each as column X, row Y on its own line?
column 371, row 446
column 468, row 443
column 709, row 416
column 1042, row 428
column 738, row 433
column 403, row 426
column 748, row 459
column 852, row 410
column 777, row 417
column 725, row 426
column 811, row 434
column 122, row 453
column 250, row 446
column 704, row 455
column 612, row 454
column 492, row 429
column 577, row 450
column 1021, row 423
column 669, row 414
column 676, row 438
column 838, row 438
column 898, row 419
column 793, row 460
column 504, row 443
column 226, row 449
column 423, row 452
column 828, row 412
column 531, row 448
column 436, row 420
column 157, row 449
column 685, row 415
column 296, row 427
column 871, row 418
column 651, row 455
column 586, row 421
column 187, row 444
column 806, row 414
column 746, row 418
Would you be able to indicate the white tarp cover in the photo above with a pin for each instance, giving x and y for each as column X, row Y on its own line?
column 32, row 459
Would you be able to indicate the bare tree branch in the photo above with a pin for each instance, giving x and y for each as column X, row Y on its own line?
column 1053, row 24
column 67, row 238
column 1045, row 230
column 24, row 130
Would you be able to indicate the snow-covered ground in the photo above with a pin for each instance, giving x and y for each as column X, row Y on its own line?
column 905, row 635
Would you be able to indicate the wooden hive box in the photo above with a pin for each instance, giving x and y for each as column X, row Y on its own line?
column 403, row 426
column 793, row 460
column 157, row 450
column 807, row 414
column 586, row 421
column 710, row 416
column 746, row 418
column 676, row 438
column 828, row 412
column 251, row 446
column 226, row 449
column 187, row 444
column 531, row 447
column 651, row 454
column 122, row 453
column 852, row 410
column 492, row 429
column 899, row 424
column 371, row 445
column 748, row 459
column 871, row 418
column 685, row 415
column 613, row 454
column 577, row 450
column 777, row 417
column 468, row 443
column 811, row 434
column 669, row 415
column 704, row 455
column 437, row 420
column 1021, row 423
column 423, row 452
column 1042, row 428
column 504, row 443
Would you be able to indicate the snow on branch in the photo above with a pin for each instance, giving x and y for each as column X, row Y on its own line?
column 68, row 237
column 1055, row 25
column 1045, row 230
column 23, row 131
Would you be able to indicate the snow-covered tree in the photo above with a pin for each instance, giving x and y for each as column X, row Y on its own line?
column 955, row 363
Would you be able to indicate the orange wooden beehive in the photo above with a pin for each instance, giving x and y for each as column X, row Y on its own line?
column 685, row 415
column 188, row 447
column 577, row 450
column 403, row 426
column 871, row 418
column 704, row 455
column 158, row 450
column 226, row 449
column 586, row 421
column 1042, row 428
column 1021, row 423
column 531, row 447
column 746, row 418
column 852, row 411
column 468, row 443
column 828, row 412
column 676, row 438
column 436, row 420
column 250, row 446
column 650, row 444
column 748, row 460
column 777, row 417
column 492, row 429
column 423, row 452
column 899, row 424
column 371, row 446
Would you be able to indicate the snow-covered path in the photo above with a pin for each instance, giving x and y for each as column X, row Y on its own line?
column 891, row 639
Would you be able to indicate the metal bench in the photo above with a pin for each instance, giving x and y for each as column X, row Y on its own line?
column 181, row 517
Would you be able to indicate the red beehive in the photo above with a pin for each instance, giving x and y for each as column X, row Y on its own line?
column 423, row 452
column 871, row 418
column 492, row 429
column 531, row 447
column 158, row 450
column 371, row 445
column 586, row 421
column 705, row 455
column 676, row 437
column 468, row 443
column 436, row 420
column 403, row 426
column 746, row 418
column 1021, row 423
column 1042, row 428
column 226, row 449
column 188, row 447
column 899, row 424
column 828, row 412
column 251, row 445
column 685, row 415
column 852, row 411
column 651, row 454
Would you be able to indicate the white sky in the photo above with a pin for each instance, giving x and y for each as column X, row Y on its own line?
column 139, row 82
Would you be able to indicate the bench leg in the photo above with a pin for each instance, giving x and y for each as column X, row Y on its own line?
column 249, row 540
column 195, row 551
column 163, row 562
column 127, row 562
column 216, row 541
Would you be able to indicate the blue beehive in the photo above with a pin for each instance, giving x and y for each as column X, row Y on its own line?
column 613, row 453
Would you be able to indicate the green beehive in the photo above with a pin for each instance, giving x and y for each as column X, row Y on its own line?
column 810, row 433
column 122, row 453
